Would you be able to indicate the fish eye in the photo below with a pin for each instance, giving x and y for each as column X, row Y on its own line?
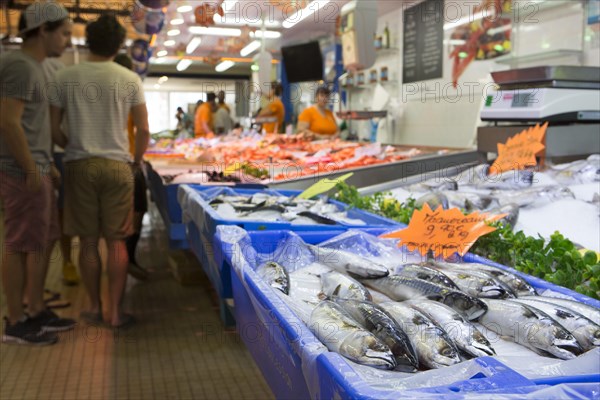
column 447, row 352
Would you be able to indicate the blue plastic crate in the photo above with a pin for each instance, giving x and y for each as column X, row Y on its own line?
column 327, row 374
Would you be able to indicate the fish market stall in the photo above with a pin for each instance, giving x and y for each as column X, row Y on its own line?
column 361, row 318
column 284, row 162
column 204, row 208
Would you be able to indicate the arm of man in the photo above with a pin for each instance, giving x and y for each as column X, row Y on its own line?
column 14, row 137
column 58, row 136
column 142, row 131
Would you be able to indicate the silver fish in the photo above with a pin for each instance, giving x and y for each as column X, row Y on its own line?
column 464, row 334
column 433, row 346
column 512, row 213
column 346, row 262
column 434, row 184
column 336, row 284
column 591, row 313
column 531, row 328
column 377, row 321
column 533, row 197
column 275, row 275
column 580, row 171
column 508, row 180
column 342, row 334
column 471, row 201
column 475, row 284
column 400, row 288
column 518, row 285
column 433, row 199
column 426, row 273
column 585, row 331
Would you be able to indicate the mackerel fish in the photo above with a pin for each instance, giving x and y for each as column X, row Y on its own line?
column 346, row 262
column 336, row 284
column 275, row 275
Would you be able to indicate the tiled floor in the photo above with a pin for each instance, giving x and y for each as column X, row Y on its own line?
column 177, row 350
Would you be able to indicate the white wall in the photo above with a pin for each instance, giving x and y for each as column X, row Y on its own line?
column 433, row 113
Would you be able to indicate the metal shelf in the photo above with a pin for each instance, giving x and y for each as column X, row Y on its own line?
column 512, row 60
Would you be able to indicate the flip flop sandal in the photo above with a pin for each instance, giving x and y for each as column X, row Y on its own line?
column 128, row 321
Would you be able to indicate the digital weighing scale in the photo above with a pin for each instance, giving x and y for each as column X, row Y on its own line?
column 568, row 97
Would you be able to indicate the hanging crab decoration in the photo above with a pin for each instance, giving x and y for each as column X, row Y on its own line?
column 206, row 12
column 212, row 59
column 485, row 38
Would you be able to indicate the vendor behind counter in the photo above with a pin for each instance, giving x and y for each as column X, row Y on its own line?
column 318, row 121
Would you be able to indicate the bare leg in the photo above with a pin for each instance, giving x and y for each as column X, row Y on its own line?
column 37, row 268
column 13, row 278
column 91, row 268
column 117, row 277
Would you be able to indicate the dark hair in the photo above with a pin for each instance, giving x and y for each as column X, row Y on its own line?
column 277, row 88
column 323, row 90
column 179, row 109
column 51, row 26
column 105, row 36
column 124, row 60
column 211, row 96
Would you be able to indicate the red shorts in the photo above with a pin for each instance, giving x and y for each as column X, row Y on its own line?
column 30, row 219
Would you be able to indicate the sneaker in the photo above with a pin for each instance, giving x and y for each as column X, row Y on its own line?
column 137, row 272
column 70, row 276
column 27, row 332
column 48, row 321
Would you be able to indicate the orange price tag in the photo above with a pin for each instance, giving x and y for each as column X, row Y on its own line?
column 520, row 150
column 444, row 232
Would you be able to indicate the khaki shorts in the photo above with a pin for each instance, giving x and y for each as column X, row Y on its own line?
column 98, row 198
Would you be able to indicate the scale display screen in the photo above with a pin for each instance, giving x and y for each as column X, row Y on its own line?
column 521, row 100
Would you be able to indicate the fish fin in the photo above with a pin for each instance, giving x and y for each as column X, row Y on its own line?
column 336, row 291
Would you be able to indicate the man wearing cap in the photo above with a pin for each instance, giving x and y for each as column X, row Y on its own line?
column 26, row 174
column 96, row 98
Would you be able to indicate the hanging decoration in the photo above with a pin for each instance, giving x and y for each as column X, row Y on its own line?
column 154, row 4
column 140, row 56
column 206, row 12
column 147, row 21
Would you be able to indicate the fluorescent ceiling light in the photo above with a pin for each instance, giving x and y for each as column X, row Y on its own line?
column 161, row 53
column 193, row 45
column 267, row 35
column 177, row 21
column 201, row 30
column 250, row 48
column 183, row 9
column 169, row 43
column 183, row 64
column 173, row 32
column 233, row 19
column 465, row 20
column 307, row 11
column 224, row 66
column 163, row 79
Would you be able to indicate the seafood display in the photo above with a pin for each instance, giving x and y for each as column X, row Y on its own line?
column 381, row 308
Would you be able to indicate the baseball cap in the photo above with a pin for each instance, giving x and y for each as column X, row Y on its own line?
column 38, row 13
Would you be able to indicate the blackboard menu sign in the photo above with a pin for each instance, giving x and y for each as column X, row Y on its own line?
column 423, row 41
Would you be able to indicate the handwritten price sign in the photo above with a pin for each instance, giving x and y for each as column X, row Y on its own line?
column 444, row 232
column 520, row 150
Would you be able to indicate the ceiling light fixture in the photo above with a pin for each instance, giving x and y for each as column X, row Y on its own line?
column 169, row 43
column 224, row 66
column 267, row 34
column 213, row 31
column 250, row 48
column 184, row 9
column 183, row 64
column 193, row 45
column 232, row 19
column 163, row 79
column 161, row 53
column 307, row 11
column 173, row 32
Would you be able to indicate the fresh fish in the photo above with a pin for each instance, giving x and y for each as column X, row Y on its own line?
column 266, row 213
column 341, row 333
column 377, row 321
column 585, row 331
column 400, row 288
column 342, row 217
column 346, row 262
column 531, row 328
column 425, row 273
column 261, row 198
column 512, row 211
column 476, row 284
column 323, row 208
column 589, row 312
column 433, row 346
column 471, row 176
column 534, row 197
column 317, row 218
column 433, row 199
column 471, row 201
column 517, row 285
column 275, row 275
column 434, row 184
column 580, row 171
column 508, row 180
column 464, row 334
column 339, row 285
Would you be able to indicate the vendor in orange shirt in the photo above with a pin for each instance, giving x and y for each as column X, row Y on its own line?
column 274, row 109
column 318, row 121
column 203, row 121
